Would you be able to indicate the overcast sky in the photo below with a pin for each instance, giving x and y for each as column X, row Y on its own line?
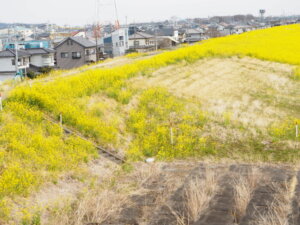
column 80, row 12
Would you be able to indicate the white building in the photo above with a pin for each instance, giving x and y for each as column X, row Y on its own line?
column 8, row 66
column 41, row 57
column 142, row 42
column 117, row 43
column 194, row 35
column 120, row 41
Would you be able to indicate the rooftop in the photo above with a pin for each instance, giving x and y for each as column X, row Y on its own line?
column 12, row 53
column 79, row 40
column 140, row 35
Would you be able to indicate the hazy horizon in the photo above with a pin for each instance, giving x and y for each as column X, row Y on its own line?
column 85, row 12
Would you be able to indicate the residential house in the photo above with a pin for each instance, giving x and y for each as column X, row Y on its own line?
column 194, row 35
column 120, row 39
column 74, row 52
column 40, row 58
column 142, row 42
column 241, row 29
column 8, row 60
column 117, row 43
column 165, row 32
column 166, row 42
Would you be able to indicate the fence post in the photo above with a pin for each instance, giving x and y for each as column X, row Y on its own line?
column 172, row 136
column 60, row 119
column 297, row 130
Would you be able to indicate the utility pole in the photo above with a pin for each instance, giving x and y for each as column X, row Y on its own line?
column 156, row 47
column 97, row 30
column 16, row 54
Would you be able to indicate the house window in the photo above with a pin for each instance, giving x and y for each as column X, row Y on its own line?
column 147, row 42
column 136, row 43
column 117, row 45
column 69, row 42
column 64, row 55
column 87, row 52
column 121, row 38
column 76, row 55
column 13, row 62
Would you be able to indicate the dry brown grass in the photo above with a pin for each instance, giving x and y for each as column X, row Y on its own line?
column 281, row 206
column 145, row 172
column 244, row 187
column 97, row 205
column 198, row 194
column 92, row 208
column 249, row 89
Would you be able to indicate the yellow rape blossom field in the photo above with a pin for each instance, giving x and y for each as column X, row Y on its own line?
column 106, row 106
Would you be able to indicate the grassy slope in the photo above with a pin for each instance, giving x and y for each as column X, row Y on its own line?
column 104, row 105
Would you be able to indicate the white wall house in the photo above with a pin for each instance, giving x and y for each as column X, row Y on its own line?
column 41, row 57
column 7, row 63
column 120, row 41
column 141, row 42
column 194, row 35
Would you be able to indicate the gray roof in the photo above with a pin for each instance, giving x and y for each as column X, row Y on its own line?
column 79, row 40
column 11, row 53
column 40, row 51
column 140, row 35
column 163, row 32
column 194, row 31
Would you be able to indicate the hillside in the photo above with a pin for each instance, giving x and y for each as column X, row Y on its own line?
column 233, row 99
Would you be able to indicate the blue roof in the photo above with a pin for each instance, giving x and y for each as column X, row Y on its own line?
column 28, row 44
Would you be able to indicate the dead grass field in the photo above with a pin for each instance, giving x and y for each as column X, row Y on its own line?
column 193, row 193
column 252, row 91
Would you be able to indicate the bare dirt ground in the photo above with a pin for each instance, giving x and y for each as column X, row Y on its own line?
column 200, row 193
column 174, row 193
column 252, row 91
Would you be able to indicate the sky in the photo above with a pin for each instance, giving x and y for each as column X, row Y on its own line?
column 80, row 12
